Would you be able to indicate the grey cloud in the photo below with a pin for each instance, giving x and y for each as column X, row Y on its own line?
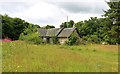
column 13, row 7
column 44, row 22
column 83, row 7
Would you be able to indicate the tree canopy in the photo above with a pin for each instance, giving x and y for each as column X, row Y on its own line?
column 95, row 29
column 13, row 27
column 67, row 24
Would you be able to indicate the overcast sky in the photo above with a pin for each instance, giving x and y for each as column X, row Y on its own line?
column 53, row 12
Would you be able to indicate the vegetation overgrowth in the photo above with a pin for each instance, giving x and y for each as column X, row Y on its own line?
column 19, row 56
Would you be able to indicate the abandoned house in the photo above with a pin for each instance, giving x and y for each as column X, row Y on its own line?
column 61, row 33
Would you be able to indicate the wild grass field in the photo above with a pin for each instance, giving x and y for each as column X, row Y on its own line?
column 19, row 56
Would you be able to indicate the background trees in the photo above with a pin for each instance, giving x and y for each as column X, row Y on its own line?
column 13, row 27
column 67, row 24
column 49, row 27
column 95, row 29
column 113, row 14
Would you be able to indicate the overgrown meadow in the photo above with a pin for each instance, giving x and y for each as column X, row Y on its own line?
column 19, row 56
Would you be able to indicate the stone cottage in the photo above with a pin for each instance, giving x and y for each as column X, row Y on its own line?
column 61, row 33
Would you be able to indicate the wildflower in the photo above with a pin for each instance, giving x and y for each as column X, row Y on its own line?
column 18, row 66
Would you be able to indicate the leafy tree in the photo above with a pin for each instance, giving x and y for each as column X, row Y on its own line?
column 63, row 25
column 67, row 24
column 72, row 40
column 49, row 26
column 7, row 27
column 30, row 29
column 13, row 27
column 0, row 26
column 30, row 34
column 18, row 27
column 37, row 26
column 70, row 23
column 113, row 14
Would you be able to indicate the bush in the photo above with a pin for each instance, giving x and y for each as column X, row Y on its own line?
column 95, row 39
column 72, row 40
column 32, row 37
column 55, row 40
column 36, row 40
column 91, row 39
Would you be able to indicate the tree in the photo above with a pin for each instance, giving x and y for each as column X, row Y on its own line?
column 0, row 26
column 49, row 26
column 37, row 26
column 70, row 23
column 7, row 27
column 113, row 14
column 67, row 24
column 13, row 27
column 18, row 27
column 63, row 25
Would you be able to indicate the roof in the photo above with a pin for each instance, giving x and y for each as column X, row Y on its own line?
column 53, row 32
column 66, row 32
column 49, row 32
column 59, row 32
column 42, row 32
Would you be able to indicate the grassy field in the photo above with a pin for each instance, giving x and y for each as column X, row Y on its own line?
column 19, row 56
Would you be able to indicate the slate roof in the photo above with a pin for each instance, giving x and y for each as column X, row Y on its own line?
column 66, row 32
column 42, row 32
column 49, row 32
column 59, row 32
column 53, row 32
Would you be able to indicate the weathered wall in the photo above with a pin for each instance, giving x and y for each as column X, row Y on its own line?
column 44, row 39
column 51, row 41
column 62, row 40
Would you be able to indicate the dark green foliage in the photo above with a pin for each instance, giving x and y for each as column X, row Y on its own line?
column 89, row 29
column 49, row 27
column 12, row 27
column 72, row 40
column 55, row 40
column 30, row 29
column 67, row 24
column 113, row 14
column 0, row 26
column 70, row 23
column 63, row 25
column 98, row 30
column 37, row 26
column 30, row 34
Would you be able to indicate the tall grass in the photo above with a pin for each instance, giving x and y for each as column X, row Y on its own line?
column 18, row 56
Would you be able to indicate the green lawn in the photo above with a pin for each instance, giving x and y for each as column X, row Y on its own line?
column 19, row 56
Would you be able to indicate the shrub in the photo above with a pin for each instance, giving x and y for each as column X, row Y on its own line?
column 36, row 40
column 91, row 39
column 32, row 37
column 55, row 40
column 95, row 38
column 72, row 40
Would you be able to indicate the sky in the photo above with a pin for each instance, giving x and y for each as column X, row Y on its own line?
column 53, row 12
